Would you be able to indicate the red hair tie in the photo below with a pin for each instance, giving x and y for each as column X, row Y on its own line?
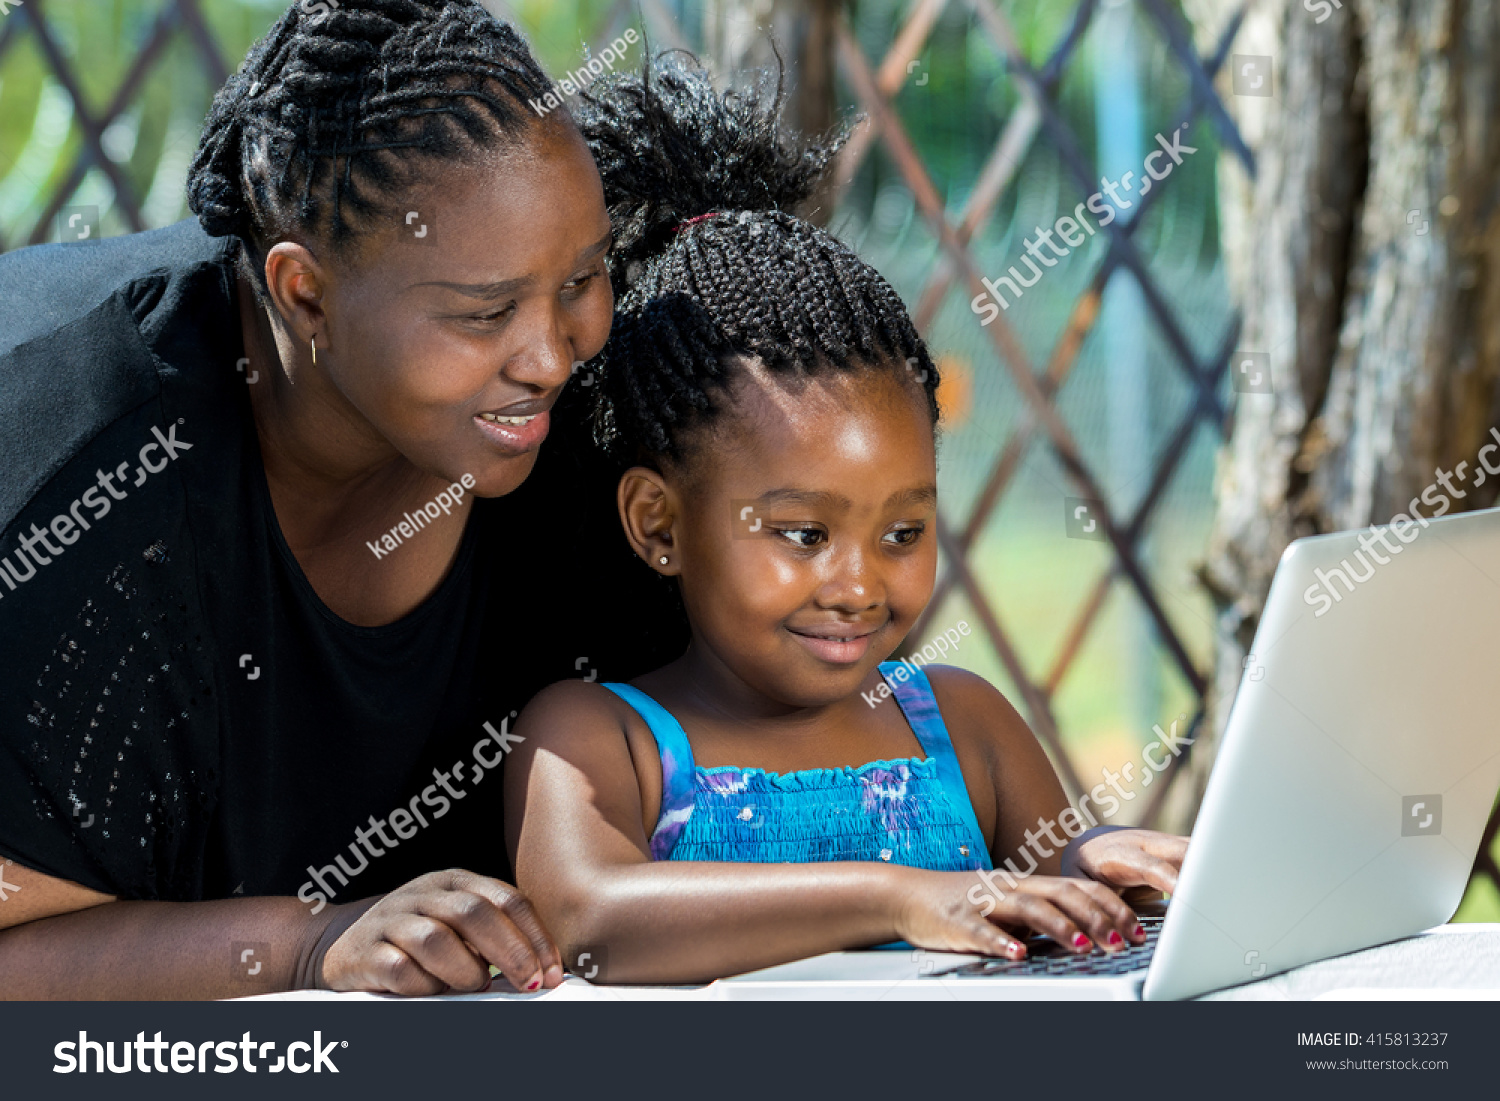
column 701, row 217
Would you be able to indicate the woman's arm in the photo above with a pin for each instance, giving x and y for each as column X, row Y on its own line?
column 26, row 895
column 578, row 839
column 62, row 941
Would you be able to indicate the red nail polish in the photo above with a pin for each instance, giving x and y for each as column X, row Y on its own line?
column 1016, row 951
column 1140, row 932
column 1081, row 941
column 1115, row 938
column 533, row 984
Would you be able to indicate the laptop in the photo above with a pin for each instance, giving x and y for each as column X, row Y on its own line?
column 1358, row 768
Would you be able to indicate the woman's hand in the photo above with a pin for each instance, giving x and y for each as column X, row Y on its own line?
column 1133, row 858
column 440, row 933
column 938, row 910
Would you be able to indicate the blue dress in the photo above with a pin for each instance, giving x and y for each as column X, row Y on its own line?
column 912, row 811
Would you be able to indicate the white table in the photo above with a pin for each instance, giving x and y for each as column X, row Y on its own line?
column 1449, row 963
column 1452, row 962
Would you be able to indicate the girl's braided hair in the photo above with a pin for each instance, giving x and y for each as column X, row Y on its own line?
column 716, row 268
column 312, row 137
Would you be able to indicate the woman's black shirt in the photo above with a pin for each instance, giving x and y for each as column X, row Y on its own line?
column 181, row 717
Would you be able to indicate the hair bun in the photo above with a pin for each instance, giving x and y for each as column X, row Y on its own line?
column 670, row 149
column 215, row 189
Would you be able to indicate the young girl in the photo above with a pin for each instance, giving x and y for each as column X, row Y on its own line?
column 777, row 791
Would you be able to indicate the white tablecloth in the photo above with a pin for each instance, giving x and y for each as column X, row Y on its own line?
column 1454, row 962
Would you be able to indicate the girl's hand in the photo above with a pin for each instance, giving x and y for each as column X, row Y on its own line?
column 440, row 932
column 1134, row 858
column 938, row 910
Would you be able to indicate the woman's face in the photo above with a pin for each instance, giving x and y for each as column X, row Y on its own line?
column 453, row 329
column 804, row 541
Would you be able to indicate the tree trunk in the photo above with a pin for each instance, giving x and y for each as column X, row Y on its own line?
column 1363, row 257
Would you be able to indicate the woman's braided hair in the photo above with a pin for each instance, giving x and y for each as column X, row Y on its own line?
column 313, row 136
column 699, row 188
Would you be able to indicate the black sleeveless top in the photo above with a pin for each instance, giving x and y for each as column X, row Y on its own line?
column 181, row 717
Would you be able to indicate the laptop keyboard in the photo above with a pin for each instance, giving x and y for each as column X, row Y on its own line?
column 1046, row 958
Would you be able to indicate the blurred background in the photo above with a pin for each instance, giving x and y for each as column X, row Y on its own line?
column 1107, row 387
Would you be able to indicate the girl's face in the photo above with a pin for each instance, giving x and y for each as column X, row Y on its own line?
column 450, row 333
column 804, row 541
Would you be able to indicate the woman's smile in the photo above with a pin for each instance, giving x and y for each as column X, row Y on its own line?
column 514, row 435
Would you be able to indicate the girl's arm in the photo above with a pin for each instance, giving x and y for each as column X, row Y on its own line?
column 576, row 824
column 62, row 941
column 1004, row 763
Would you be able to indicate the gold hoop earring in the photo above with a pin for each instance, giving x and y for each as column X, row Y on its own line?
column 314, row 343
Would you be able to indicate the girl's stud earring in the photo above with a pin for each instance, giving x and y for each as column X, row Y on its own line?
column 663, row 560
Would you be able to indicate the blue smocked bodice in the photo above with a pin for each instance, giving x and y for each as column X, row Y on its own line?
column 912, row 811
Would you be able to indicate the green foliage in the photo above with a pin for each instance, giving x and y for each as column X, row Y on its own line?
column 954, row 117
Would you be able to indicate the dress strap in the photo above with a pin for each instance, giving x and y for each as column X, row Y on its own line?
column 677, row 768
column 913, row 692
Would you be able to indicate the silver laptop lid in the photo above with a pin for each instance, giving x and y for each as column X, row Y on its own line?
column 1360, row 760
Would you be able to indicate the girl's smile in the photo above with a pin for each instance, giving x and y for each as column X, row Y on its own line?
column 837, row 643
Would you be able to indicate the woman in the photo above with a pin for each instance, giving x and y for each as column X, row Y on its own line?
column 271, row 684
